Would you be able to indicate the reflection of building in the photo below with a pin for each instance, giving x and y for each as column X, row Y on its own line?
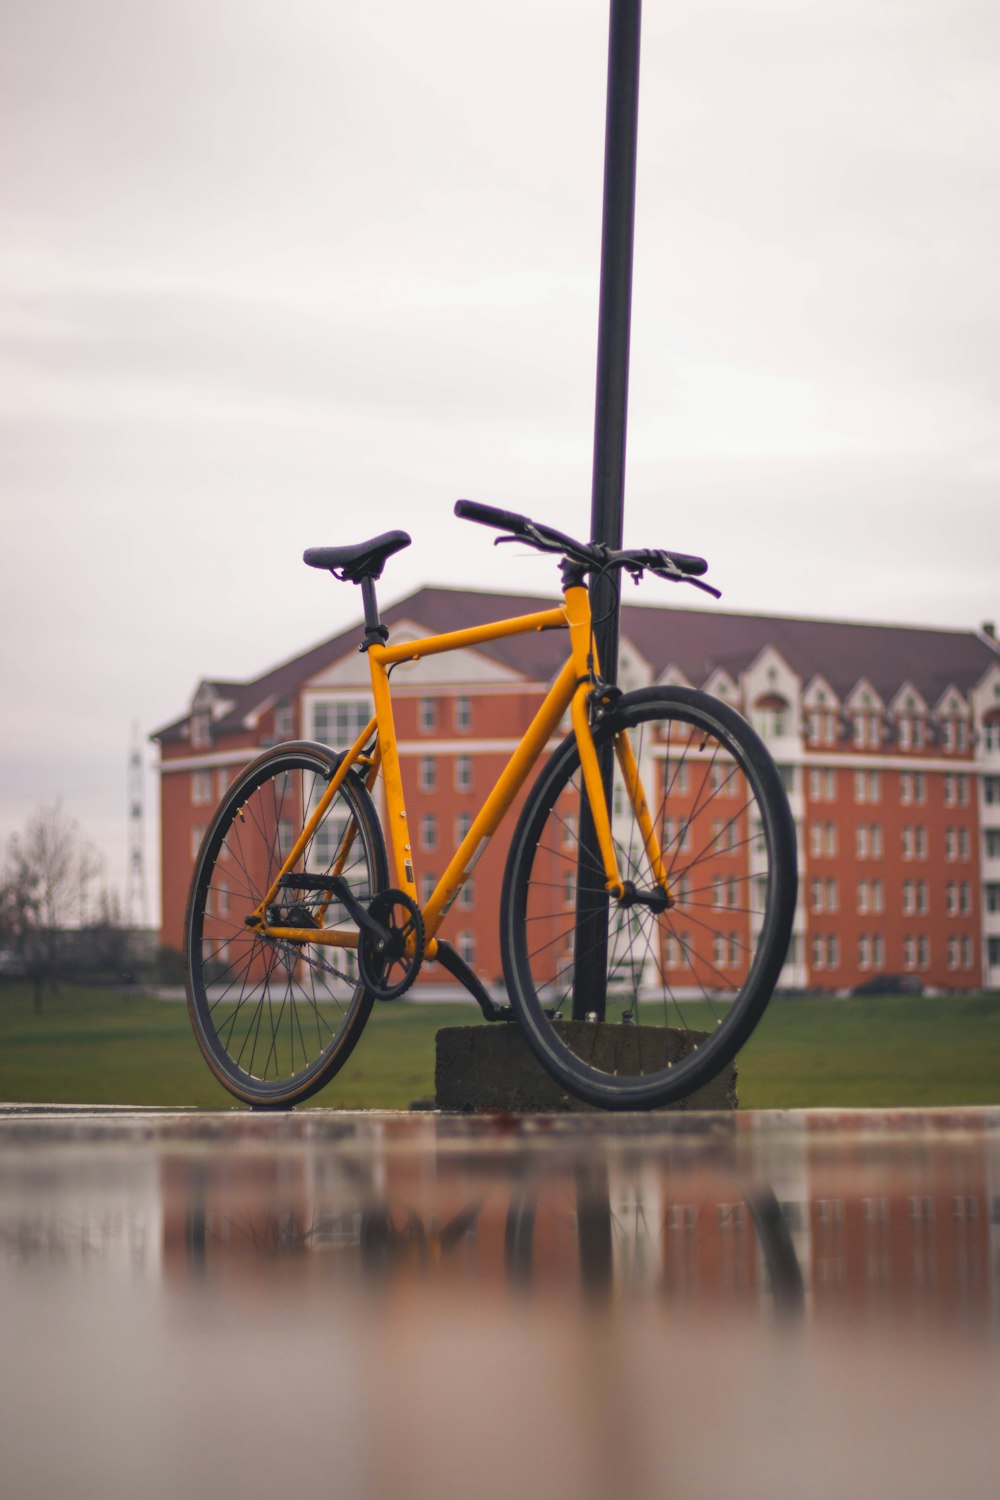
column 862, row 1219
column 888, row 739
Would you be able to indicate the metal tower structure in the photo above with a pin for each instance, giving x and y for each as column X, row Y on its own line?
column 136, row 900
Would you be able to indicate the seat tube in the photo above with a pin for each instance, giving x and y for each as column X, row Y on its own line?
column 399, row 833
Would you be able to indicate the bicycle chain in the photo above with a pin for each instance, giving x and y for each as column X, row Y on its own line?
column 298, row 955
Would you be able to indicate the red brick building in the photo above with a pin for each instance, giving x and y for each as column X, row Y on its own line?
column 888, row 740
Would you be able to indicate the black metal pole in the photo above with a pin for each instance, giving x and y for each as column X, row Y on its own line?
column 610, row 423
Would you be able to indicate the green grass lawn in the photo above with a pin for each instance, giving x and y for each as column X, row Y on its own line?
column 101, row 1047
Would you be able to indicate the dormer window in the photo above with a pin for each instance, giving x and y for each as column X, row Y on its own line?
column 772, row 716
column 954, row 733
column 284, row 720
column 201, row 728
column 867, row 730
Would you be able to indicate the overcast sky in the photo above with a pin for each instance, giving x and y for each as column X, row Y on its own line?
column 278, row 273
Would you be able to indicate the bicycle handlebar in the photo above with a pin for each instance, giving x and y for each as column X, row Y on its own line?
column 679, row 567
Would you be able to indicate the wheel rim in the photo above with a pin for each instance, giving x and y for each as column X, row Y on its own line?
column 685, row 985
column 274, row 1016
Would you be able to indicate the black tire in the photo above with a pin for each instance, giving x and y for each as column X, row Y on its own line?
column 274, row 1021
column 692, row 981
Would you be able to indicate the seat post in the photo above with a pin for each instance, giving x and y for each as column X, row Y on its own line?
column 375, row 632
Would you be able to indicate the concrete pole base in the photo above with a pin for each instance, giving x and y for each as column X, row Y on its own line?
column 492, row 1068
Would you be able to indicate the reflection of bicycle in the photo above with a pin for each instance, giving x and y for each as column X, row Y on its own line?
column 674, row 910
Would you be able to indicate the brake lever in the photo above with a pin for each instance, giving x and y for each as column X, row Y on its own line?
column 676, row 576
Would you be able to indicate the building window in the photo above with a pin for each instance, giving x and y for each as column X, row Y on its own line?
column 428, row 831
column 197, row 834
column 831, row 839
column 878, row 951
column 878, row 896
column 952, row 952
column 922, row 898
column 427, row 884
column 951, row 898
column 993, row 897
column 818, row 952
column 907, row 842
column 428, row 715
column 965, row 899
column 463, row 822
column 867, row 786
column 832, row 902
column 340, row 721
column 924, row 951
column 201, row 788
column 991, row 789
column 861, row 841
column 284, row 720
column 864, row 952
column 467, row 947
column 963, row 843
column 463, row 773
column 832, row 951
column 864, row 897
column 201, row 729
column 816, row 840
column 463, row 713
column 466, row 896
column 966, row 952
column 909, row 898
column 909, row 953
column 950, row 844
column 428, row 773
column 818, row 895
column 963, row 791
column 223, row 777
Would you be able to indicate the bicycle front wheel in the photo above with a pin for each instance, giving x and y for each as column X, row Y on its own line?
column 684, row 976
column 275, row 1020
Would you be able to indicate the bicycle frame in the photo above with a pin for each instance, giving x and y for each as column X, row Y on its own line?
column 571, row 690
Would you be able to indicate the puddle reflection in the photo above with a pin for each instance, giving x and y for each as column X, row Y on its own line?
column 372, row 1305
column 815, row 1219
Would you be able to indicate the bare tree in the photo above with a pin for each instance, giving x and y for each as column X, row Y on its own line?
column 43, row 889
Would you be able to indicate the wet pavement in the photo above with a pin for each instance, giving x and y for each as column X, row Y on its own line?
column 772, row 1304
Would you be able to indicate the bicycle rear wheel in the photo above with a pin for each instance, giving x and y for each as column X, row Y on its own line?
column 275, row 1020
column 685, row 986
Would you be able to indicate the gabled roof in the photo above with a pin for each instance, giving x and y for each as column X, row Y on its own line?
column 698, row 641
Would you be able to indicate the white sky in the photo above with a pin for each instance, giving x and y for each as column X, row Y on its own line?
column 278, row 273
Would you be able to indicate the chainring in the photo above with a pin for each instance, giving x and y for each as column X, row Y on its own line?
column 389, row 966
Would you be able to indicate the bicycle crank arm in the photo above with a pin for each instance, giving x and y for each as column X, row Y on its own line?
column 340, row 890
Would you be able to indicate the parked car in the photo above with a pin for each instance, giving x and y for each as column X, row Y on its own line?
column 889, row 984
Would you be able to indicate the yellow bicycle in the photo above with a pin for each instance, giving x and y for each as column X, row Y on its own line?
column 638, row 955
